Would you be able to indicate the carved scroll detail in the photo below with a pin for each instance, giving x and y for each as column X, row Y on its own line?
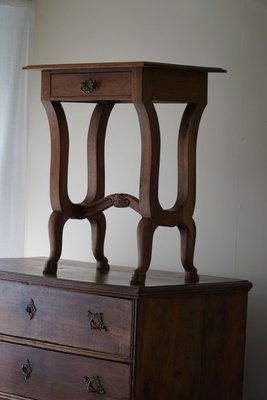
column 120, row 200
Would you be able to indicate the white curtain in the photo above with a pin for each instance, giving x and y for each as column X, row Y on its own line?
column 16, row 19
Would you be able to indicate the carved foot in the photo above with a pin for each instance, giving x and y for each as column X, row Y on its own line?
column 191, row 275
column 50, row 267
column 102, row 265
column 138, row 278
column 145, row 232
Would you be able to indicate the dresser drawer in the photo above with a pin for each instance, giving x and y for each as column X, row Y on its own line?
column 44, row 374
column 91, row 86
column 96, row 323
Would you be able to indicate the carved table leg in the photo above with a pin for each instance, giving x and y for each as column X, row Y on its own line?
column 145, row 232
column 60, row 201
column 182, row 212
column 148, row 202
column 188, row 238
column 98, row 225
column 187, row 185
column 96, row 178
column 55, row 229
column 148, row 206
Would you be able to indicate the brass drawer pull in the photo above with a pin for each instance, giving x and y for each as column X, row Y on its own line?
column 97, row 321
column 88, row 86
column 26, row 369
column 31, row 309
column 94, row 385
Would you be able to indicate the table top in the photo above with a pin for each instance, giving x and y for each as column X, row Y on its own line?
column 119, row 66
column 83, row 276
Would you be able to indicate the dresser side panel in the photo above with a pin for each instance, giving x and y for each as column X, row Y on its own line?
column 168, row 348
column 223, row 346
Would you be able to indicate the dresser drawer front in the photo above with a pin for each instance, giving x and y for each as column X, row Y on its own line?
column 91, row 86
column 44, row 374
column 96, row 323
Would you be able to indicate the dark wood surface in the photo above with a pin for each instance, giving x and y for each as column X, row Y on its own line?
column 191, row 348
column 142, row 84
column 59, row 376
column 168, row 339
column 120, row 65
column 109, row 85
column 83, row 276
column 56, row 308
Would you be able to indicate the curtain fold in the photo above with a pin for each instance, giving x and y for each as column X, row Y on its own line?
column 16, row 19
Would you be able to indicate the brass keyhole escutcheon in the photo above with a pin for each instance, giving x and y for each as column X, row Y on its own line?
column 96, row 321
column 94, row 385
column 31, row 309
column 26, row 369
column 88, row 86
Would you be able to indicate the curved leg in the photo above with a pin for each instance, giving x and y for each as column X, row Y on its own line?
column 188, row 238
column 187, row 141
column 59, row 198
column 96, row 151
column 55, row 228
column 150, row 158
column 96, row 178
column 98, row 226
column 59, row 156
column 145, row 232
column 186, row 196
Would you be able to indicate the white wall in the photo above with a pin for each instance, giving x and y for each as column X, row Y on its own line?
column 231, row 211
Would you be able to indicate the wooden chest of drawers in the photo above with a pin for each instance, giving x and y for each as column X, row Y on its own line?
column 91, row 335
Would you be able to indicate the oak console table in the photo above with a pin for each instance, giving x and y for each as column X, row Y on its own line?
column 142, row 84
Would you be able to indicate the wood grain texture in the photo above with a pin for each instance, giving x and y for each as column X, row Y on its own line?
column 108, row 85
column 190, row 348
column 62, row 318
column 57, row 376
column 168, row 348
column 170, row 339
column 120, row 65
column 223, row 347
column 82, row 276
column 142, row 84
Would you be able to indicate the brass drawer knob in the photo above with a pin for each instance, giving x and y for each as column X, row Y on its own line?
column 94, row 385
column 88, row 86
column 96, row 321
column 26, row 369
column 31, row 309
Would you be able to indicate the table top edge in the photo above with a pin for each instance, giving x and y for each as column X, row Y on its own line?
column 119, row 65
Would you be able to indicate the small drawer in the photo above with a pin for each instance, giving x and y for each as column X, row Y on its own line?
column 91, row 86
column 43, row 374
column 59, row 316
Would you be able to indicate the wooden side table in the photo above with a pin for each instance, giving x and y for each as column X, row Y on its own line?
column 142, row 84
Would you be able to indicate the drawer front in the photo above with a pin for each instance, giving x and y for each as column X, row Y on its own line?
column 96, row 323
column 44, row 374
column 91, row 86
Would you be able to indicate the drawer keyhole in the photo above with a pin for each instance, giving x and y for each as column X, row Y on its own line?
column 97, row 321
column 94, row 385
column 31, row 309
column 26, row 369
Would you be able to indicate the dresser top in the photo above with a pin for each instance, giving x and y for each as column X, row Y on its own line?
column 83, row 276
column 119, row 66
